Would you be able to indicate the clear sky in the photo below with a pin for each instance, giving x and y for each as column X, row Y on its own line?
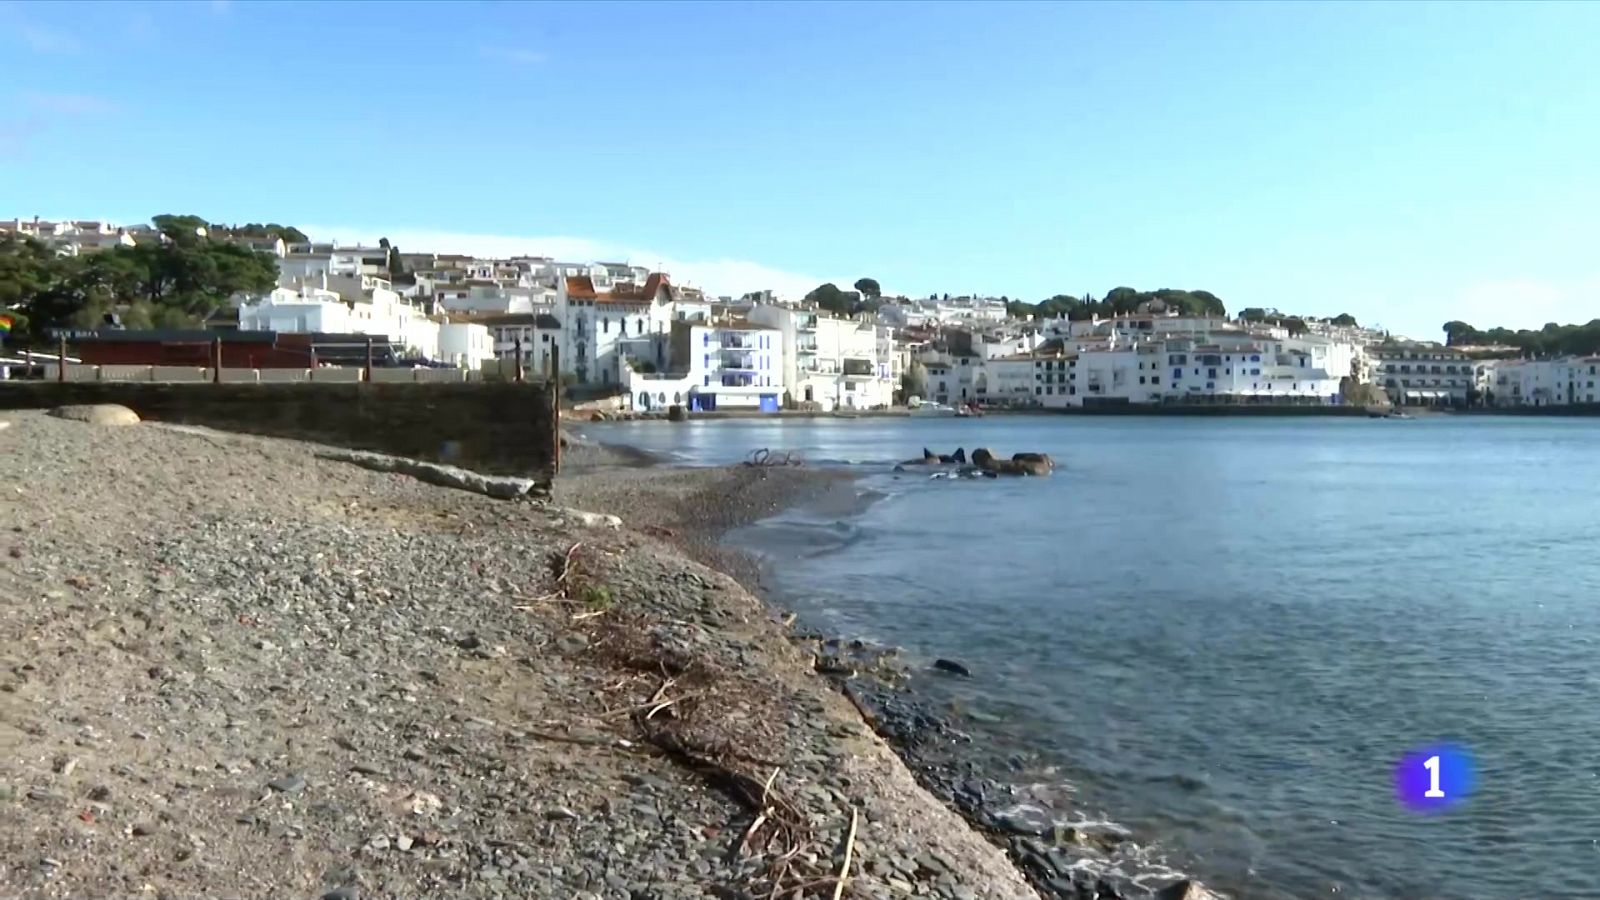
column 1406, row 163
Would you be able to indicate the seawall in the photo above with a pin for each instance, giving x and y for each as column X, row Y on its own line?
column 502, row 428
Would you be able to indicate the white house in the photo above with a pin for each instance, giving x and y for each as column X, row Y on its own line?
column 367, row 306
column 465, row 345
column 831, row 362
column 535, row 334
column 594, row 321
column 714, row 366
column 1543, row 382
column 1424, row 374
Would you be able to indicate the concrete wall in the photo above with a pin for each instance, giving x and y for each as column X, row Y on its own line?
column 501, row 428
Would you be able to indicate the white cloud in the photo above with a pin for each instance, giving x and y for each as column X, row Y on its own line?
column 66, row 104
column 520, row 56
column 48, row 40
column 731, row 277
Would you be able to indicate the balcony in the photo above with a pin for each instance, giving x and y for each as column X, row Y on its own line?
column 858, row 367
column 805, row 345
column 734, row 359
column 805, row 323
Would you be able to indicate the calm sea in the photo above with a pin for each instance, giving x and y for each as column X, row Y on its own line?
column 1222, row 634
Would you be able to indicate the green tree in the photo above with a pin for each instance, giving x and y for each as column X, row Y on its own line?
column 178, row 282
column 869, row 288
column 833, row 300
column 1346, row 320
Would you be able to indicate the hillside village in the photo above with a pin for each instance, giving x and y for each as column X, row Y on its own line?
column 623, row 330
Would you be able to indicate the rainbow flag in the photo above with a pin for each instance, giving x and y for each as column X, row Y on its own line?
column 5, row 324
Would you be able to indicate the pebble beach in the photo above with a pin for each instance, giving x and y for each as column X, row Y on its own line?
column 233, row 667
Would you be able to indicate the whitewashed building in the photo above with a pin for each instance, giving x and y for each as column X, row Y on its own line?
column 1565, row 381
column 1424, row 374
column 714, row 366
column 595, row 322
column 375, row 310
column 830, row 362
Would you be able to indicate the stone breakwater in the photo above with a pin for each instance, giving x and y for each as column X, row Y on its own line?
column 229, row 667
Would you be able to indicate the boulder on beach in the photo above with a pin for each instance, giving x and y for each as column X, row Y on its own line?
column 97, row 414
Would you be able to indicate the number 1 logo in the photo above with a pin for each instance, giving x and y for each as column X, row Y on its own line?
column 1433, row 779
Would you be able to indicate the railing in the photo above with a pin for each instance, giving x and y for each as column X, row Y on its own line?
column 200, row 375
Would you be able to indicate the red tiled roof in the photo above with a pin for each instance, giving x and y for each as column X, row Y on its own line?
column 581, row 287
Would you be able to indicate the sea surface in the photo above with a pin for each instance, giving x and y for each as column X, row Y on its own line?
column 1223, row 634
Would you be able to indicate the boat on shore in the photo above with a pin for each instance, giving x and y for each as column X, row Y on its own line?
column 936, row 411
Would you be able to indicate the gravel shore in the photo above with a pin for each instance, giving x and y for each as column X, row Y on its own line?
column 229, row 667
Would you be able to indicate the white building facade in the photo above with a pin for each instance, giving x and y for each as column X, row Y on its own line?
column 832, row 363
column 714, row 366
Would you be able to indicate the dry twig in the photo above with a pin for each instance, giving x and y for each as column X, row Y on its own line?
column 849, row 848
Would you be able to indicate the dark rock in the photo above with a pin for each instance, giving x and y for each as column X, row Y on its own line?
column 953, row 667
column 100, row 793
column 1187, row 889
column 143, row 829
column 560, row 813
column 348, row 892
column 470, row 642
column 288, row 784
column 1105, row 890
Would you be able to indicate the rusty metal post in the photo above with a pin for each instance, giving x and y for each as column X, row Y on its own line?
column 366, row 374
column 517, row 348
column 61, row 358
column 216, row 360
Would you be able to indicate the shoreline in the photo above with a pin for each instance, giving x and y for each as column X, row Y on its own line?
column 872, row 678
column 341, row 683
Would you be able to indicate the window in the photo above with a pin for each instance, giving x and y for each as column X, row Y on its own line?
column 1072, row 390
column 1049, row 390
column 1210, row 373
column 1141, row 379
column 1176, row 374
column 1255, row 357
column 1211, row 386
column 1155, row 379
column 1038, row 391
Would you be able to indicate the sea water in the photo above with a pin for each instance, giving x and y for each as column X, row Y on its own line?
column 1222, row 634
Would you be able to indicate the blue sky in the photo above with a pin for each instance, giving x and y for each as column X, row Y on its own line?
column 1407, row 163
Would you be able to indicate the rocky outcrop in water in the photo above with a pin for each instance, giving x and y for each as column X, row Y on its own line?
column 1018, row 464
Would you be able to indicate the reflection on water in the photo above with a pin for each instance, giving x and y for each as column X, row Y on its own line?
column 1225, row 632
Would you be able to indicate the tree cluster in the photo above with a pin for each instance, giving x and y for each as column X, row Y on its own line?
column 1119, row 302
column 290, row 234
column 173, row 284
column 1551, row 340
column 866, row 297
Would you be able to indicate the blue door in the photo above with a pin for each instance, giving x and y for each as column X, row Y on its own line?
column 769, row 403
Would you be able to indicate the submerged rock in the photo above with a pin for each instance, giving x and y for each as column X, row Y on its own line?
column 953, row 667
